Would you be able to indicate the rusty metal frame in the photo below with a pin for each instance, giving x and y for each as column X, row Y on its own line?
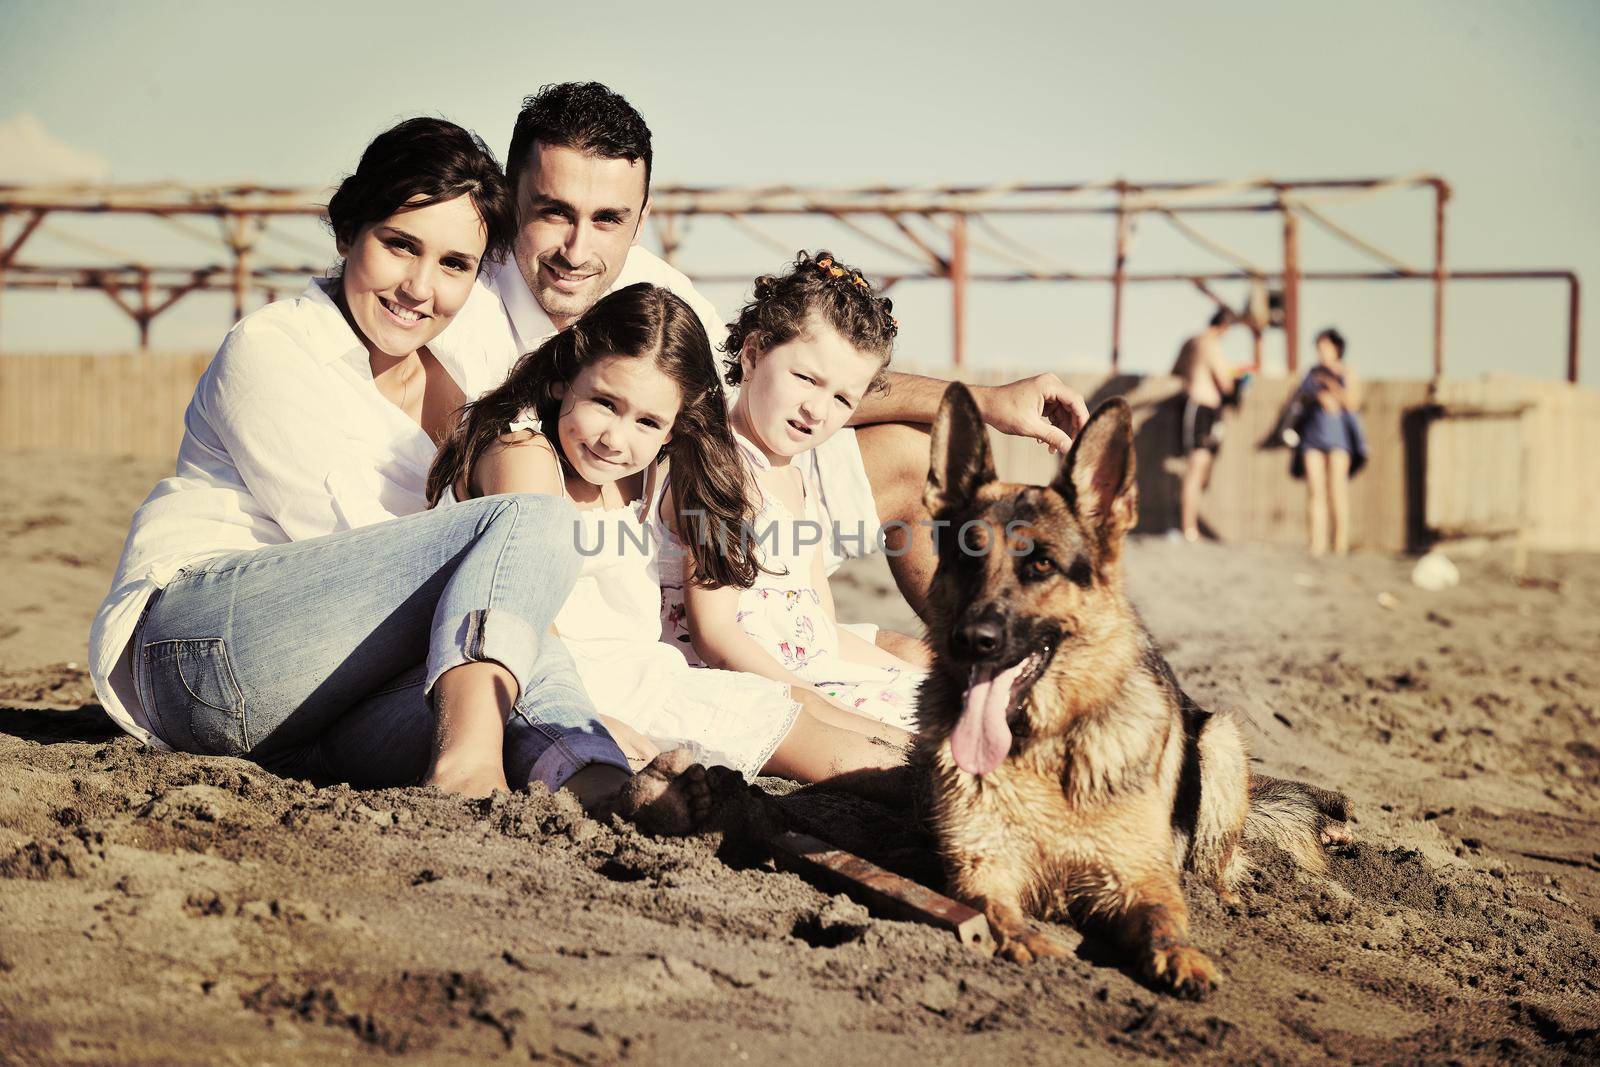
column 932, row 227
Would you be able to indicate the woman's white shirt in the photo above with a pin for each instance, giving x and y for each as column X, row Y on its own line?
column 286, row 438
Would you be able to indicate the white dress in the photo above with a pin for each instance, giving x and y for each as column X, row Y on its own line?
column 611, row 625
column 783, row 611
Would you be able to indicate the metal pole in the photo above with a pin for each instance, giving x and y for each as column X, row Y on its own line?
column 144, row 310
column 1441, row 193
column 1572, row 330
column 240, row 240
column 1291, row 289
column 1118, row 271
column 5, row 217
column 958, row 288
column 241, row 279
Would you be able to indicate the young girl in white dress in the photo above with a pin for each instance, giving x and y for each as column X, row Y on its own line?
column 804, row 351
column 596, row 414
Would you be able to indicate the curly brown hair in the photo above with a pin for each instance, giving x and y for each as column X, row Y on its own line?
column 782, row 306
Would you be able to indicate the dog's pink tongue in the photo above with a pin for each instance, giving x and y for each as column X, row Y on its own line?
column 982, row 739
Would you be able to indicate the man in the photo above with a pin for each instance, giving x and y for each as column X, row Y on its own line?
column 579, row 166
column 1207, row 382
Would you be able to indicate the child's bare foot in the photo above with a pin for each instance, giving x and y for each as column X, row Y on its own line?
column 671, row 796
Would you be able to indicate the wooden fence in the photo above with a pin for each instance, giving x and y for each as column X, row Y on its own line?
column 130, row 405
column 134, row 404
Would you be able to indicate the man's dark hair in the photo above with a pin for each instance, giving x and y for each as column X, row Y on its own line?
column 1223, row 317
column 1335, row 338
column 585, row 116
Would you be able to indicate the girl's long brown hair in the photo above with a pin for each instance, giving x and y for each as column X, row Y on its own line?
column 710, row 491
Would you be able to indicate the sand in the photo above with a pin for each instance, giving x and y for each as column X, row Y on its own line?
column 167, row 908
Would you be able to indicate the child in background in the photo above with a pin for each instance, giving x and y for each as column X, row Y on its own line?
column 804, row 351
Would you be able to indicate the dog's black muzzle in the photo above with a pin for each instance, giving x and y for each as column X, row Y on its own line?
column 991, row 636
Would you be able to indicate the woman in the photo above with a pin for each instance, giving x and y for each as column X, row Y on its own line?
column 1332, row 445
column 287, row 597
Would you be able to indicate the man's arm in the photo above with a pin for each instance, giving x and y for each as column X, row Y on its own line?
column 909, row 398
column 1042, row 407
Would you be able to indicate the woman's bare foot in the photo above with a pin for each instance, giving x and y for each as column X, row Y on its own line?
column 470, row 704
column 467, row 781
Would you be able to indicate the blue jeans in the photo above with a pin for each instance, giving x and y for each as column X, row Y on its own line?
column 317, row 658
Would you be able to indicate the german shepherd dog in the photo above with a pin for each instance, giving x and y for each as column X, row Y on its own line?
column 1067, row 773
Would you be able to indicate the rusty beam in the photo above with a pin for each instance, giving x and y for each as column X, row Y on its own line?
column 1441, row 194
column 1119, row 271
column 176, row 293
column 885, row 893
column 237, row 234
column 942, row 263
column 145, row 315
column 171, row 200
column 243, row 211
column 1291, row 291
column 9, row 255
column 114, row 291
column 958, row 288
column 32, row 276
column 1572, row 329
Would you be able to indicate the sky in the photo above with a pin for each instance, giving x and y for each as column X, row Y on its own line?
column 1499, row 99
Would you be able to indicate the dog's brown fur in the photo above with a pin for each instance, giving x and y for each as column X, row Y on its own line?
column 1115, row 781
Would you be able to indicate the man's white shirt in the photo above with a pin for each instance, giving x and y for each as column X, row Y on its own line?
column 502, row 320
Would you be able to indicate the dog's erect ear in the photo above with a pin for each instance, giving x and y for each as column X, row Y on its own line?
column 1097, row 478
column 960, row 464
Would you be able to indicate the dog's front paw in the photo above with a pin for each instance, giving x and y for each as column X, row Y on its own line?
column 1183, row 970
column 1027, row 945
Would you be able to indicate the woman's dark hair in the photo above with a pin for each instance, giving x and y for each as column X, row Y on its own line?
column 431, row 159
column 1334, row 338
column 1223, row 317
column 709, row 487
column 781, row 308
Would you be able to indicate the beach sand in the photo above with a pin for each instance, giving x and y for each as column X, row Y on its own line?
column 166, row 908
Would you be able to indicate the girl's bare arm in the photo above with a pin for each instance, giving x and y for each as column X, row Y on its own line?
column 520, row 462
column 718, row 638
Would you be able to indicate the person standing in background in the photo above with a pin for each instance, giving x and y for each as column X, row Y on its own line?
column 1332, row 445
column 1207, row 382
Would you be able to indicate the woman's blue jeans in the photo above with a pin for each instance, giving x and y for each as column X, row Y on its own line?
column 317, row 658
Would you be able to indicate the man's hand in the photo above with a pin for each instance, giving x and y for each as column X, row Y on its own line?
column 1041, row 407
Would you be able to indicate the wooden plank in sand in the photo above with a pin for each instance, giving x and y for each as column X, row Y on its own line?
column 885, row 893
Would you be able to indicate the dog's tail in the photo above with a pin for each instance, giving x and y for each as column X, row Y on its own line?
column 1301, row 819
